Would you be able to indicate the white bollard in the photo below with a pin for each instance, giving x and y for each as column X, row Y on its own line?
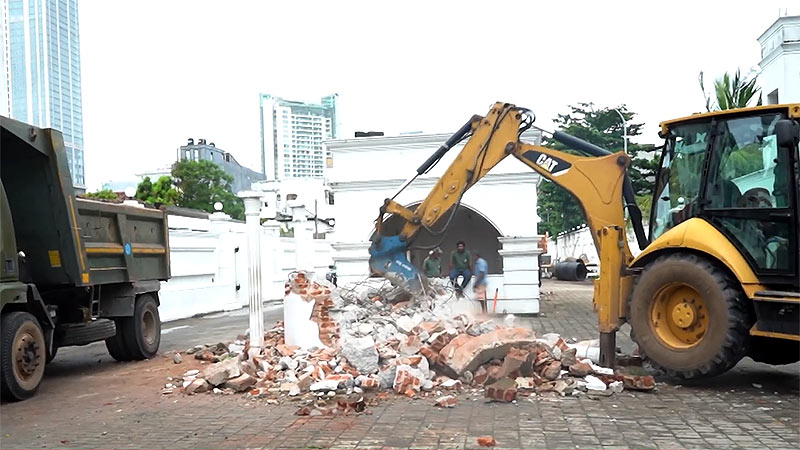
column 252, row 210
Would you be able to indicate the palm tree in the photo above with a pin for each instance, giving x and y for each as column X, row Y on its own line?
column 731, row 92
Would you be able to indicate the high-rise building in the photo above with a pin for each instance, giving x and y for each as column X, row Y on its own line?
column 42, row 65
column 292, row 134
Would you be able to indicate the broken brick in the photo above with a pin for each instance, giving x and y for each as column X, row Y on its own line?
column 286, row 350
column 504, row 390
column 447, row 401
column 580, row 369
column 512, row 362
column 369, row 383
column 551, row 371
column 486, row 441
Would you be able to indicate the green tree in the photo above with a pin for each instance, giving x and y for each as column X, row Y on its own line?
column 731, row 92
column 201, row 184
column 557, row 208
column 103, row 194
column 162, row 192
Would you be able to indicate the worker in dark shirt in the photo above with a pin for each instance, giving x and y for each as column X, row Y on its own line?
column 432, row 266
column 460, row 265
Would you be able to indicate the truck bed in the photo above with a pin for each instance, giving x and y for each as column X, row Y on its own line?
column 68, row 240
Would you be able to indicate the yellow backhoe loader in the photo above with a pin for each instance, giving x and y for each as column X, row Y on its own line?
column 717, row 278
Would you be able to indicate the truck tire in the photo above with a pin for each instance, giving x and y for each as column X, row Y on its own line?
column 52, row 354
column 84, row 333
column 22, row 355
column 142, row 332
column 688, row 317
column 774, row 351
column 116, row 344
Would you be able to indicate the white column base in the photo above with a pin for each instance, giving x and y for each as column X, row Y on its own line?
column 520, row 293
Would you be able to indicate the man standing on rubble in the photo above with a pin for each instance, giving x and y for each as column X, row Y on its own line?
column 432, row 266
column 481, row 271
column 460, row 265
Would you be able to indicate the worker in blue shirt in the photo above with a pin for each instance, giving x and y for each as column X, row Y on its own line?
column 481, row 271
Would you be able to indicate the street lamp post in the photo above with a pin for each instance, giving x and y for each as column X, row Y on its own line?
column 624, row 132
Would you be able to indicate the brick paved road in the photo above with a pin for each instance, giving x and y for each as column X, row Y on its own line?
column 118, row 405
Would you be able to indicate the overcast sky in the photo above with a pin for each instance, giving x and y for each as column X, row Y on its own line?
column 158, row 72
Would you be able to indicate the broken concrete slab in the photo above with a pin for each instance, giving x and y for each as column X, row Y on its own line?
column 467, row 352
column 197, row 386
column 361, row 353
column 240, row 383
column 218, row 373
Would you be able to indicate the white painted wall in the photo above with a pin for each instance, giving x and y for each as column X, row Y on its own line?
column 579, row 242
column 206, row 268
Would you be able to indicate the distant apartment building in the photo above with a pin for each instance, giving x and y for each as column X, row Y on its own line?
column 42, row 70
column 780, row 61
column 292, row 134
column 243, row 177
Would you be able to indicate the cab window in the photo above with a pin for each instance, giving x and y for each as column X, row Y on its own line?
column 748, row 169
column 678, row 184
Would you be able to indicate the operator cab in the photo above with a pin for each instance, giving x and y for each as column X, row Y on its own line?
column 738, row 170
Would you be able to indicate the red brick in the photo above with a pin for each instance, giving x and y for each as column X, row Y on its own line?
column 504, row 390
column 429, row 353
column 369, row 383
column 580, row 369
column 486, row 441
column 551, row 371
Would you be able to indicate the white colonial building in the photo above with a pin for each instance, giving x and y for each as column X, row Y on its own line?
column 780, row 61
column 497, row 217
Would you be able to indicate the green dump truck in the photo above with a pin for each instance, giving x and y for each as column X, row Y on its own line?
column 74, row 271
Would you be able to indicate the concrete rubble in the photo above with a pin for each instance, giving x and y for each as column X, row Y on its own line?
column 373, row 339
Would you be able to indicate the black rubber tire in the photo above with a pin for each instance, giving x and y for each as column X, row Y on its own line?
column 116, row 344
column 52, row 355
column 84, row 333
column 774, row 351
column 142, row 332
column 725, row 341
column 11, row 387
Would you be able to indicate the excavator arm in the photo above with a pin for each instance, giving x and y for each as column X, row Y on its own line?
column 597, row 183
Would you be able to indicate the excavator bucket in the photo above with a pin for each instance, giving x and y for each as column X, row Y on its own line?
column 387, row 258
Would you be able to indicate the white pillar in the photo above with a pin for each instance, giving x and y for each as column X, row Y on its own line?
column 520, row 275
column 252, row 210
column 303, row 237
column 351, row 260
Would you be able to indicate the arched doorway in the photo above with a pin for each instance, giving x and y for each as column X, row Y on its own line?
column 468, row 225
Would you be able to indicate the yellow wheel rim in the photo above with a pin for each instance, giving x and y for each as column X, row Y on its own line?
column 679, row 316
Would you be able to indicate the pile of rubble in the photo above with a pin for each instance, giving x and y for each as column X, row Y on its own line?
column 375, row 338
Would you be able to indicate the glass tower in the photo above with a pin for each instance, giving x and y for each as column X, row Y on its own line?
column 292, row 134
column 43, row 71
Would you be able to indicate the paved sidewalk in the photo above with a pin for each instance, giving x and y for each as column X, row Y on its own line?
column 118, row 405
